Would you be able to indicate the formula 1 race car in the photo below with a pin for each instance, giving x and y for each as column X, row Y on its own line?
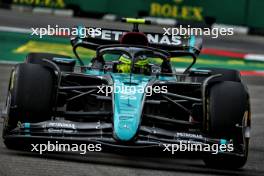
column 129, row 96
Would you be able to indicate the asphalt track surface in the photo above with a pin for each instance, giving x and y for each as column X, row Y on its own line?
column 95, row 164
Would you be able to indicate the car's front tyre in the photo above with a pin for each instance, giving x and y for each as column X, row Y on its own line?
column 30, row 96
column 229, row 118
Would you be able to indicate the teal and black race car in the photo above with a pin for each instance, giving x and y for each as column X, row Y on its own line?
column 130, row 97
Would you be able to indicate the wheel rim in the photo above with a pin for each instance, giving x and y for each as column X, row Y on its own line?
column 246, row 131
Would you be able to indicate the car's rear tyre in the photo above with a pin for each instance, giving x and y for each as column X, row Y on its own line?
column 37, row 58
column 229, row 118
column 227, row 74
column 29, row 97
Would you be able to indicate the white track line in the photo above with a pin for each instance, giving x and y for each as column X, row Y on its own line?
column 15, row 29
column 3, row 62
column 254, row 57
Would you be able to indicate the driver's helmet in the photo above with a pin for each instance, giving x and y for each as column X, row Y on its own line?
column 140, row 66
column 124, row 65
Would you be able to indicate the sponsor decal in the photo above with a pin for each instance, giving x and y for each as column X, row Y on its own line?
column 43, row 3
column 152, row 38
column 176, row 10
column 63, row 60
column 189, row 135
column 61, row 125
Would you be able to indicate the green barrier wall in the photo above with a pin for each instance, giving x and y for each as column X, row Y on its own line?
column 237, row 12
column 255, row 17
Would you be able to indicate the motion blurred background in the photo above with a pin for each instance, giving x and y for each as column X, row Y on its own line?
column 236, row 12
column 243, row 51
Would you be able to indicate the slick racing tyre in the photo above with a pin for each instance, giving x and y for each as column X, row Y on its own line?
column 29, row 96
column 228, row 112
column 65, row 63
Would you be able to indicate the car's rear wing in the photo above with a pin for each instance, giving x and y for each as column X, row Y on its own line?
column 190, row 44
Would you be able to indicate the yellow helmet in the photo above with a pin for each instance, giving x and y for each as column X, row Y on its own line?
column 125, row 64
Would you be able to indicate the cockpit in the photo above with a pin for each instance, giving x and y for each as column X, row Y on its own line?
column 132, row 59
